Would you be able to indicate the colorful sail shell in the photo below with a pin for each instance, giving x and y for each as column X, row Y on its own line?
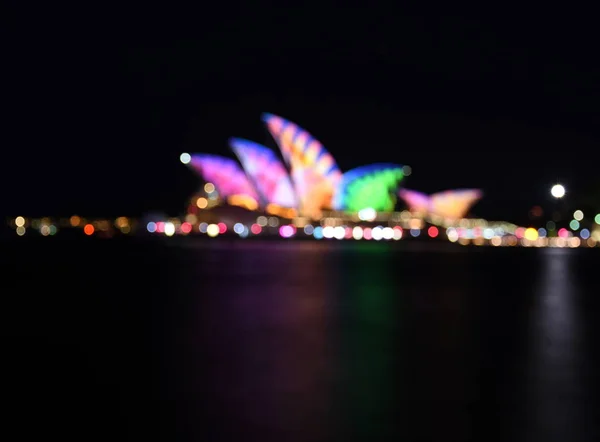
column 373, row 186
column 450, row 204
column 417, row 202
column 266, row 172
column 225, row 173
column 454, row 204
column 313, row 169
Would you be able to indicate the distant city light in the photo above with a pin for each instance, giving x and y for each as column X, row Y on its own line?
column 328, row 232
column 185, row 158
column 377, row 233
column 209, row 187
column 201, row 203
column 531, row 234
column 339, row 232
column 578, row 215
column 597, row 219
column 406, row 170
column 186, row 228
column 238, row 228
column 318, row 233
column 287, row 231
column 88, row 229
column 212, row 230
column 357, row 232
column 397, row 233
column 367, row 214
column 388, row 233
column 558, row 191
column 19, row 221
column 574, row 224
column 169, row 229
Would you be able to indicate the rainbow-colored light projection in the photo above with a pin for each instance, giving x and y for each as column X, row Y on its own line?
column 315, row 173
column 313, row 182
column 266, row 171
column 227, row 176
column 371, row 186
column 450, row 204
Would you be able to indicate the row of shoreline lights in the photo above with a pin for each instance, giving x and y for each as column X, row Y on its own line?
column 346, row 232
column 289, row 230
column 47, row 227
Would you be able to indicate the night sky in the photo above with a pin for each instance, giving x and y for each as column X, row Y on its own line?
column 100, row 107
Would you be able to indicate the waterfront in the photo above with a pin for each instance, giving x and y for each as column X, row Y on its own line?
column 187, row 339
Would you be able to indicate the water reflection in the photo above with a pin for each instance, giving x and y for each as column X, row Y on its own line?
column 314, row 341
column 306, row 341
column 268, row 340
column 368, row 315
column 557, row 397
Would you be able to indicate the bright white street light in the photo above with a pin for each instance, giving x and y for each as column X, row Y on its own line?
column 558, row 191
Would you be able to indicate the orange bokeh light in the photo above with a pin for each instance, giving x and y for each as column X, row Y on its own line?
column 88, row 229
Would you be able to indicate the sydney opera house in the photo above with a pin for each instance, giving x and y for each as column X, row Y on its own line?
column 304, row 181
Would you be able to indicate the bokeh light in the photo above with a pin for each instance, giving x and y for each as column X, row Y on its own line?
column 287, row 231
column 201, row 203
column 558, row 191
column 169, row 229
column 574, row 224
column 212, row 230
column 318, row 232
column 531, row 234
column 185, row 158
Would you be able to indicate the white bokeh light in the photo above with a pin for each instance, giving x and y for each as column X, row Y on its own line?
column 185, row 158
column 558, row 191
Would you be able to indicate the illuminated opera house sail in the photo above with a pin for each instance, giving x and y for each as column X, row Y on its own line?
column 450, row 204
column 307, row 181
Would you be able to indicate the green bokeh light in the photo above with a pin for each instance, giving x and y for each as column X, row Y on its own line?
column 574, row 224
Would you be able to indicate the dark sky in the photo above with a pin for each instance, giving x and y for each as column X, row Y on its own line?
column 101, row 103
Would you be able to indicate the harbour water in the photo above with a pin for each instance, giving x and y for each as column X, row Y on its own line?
column 189, row 339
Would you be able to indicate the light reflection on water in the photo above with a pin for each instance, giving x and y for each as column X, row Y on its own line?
column 559, row 396
column 363, row 341
column 299, row 341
